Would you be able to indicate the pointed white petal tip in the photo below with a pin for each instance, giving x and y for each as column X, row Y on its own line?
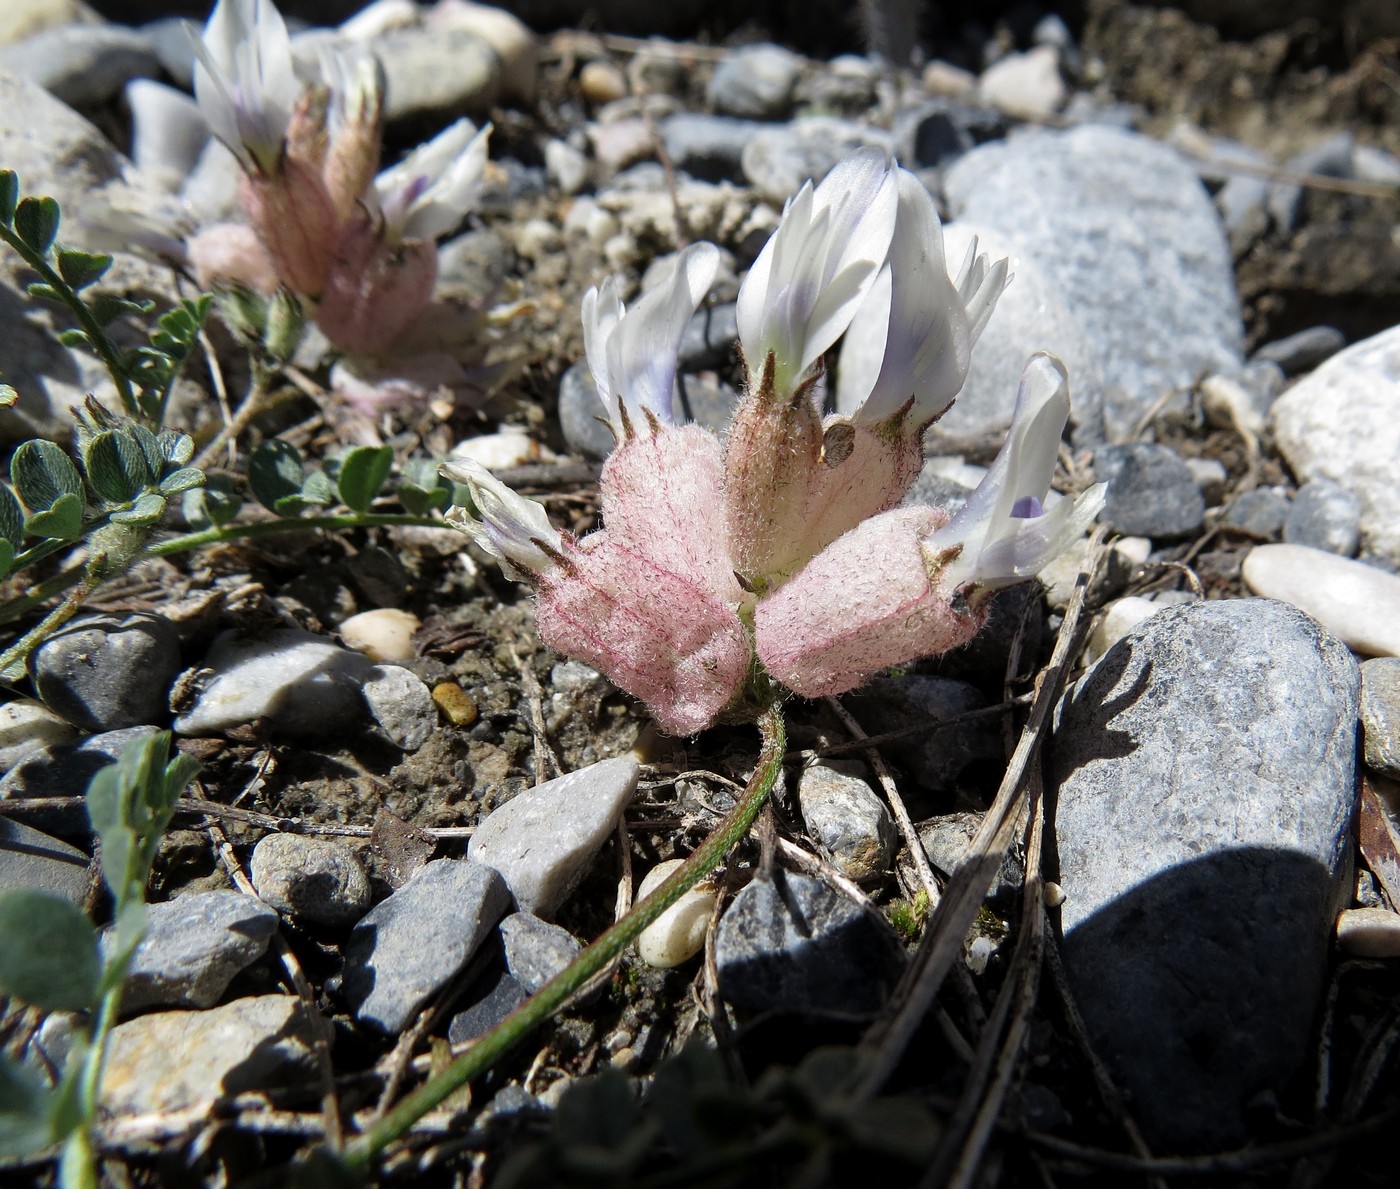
column 514, row 530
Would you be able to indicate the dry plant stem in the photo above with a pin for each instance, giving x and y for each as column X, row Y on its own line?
column 252, row 405
column 886, row 1041
column 901, row 814
column 558, row 991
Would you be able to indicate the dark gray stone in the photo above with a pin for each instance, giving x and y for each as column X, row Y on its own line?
column 848, row 821
column 756, row 81
column 709, row 337
column 536, row 950
column 1203, row 775
column 495, row 997
column 781, row 157
column 1331, row 157
column 945, row 840
column 1124, row 228
column 794, row 944
column 1151, row 492
column 316, row 879
column 1263, row 510
column 935, row 132
column 581, row 412
column 105, row 672
column 414, row 943
column 1380, row 714
column 707, row 147
column 193, row 947
column 63, row 770
column 933, row 757
column 1325, row 515
column 33, row 861
column 1303, row 351
column 82, row 64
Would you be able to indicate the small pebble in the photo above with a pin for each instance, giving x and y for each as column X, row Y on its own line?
column 678, row 934
column 384, row 634
column 443, row 72
column 1324, row 515
column 1210, row 476
column 980, row 951
column 1117, row 620
column 401, row 706
column 848, row 821
column 512, row 40
column 456, row 704
column 26, row 726
column 1263, row 510
column 1380, row 714
column 105, row 672
column 1303, row 351
column 1026, row 84
column 193, row 947
column 601, row 82
column 1357, row 603
column 755, row 81
column 566, row 166
column 943, row 78
column 947, row 840
column 536, row 950
column 1151, row 492
column 1229, row 404
column 1369, row 932
column 512, row 446
column 543, row 839
column 493, row 997
column 315, row 879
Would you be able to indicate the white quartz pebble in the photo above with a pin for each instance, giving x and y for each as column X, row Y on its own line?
column 1357, row 603
column 679, row 932
column 1119, row 618
column 384, row 634
column 26, row 726
column 1369, row 932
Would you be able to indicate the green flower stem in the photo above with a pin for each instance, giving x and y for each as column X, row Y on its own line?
column 96, row 335
column 556, row 993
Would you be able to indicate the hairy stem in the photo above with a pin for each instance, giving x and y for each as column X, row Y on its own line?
column 557, row 992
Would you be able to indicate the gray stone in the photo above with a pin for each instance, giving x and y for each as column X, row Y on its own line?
column 1126, row 232
column 1151, row 492
column 298, row 683
column 709, row 337
column 794, row 944
column 1356, row 602
column 1339, row 423
column 1324, row 515
column 781, row 157
column 581, row 412
column 401, row 705
column 1027, row 84
column 846, row 85
column 536, row 950
column 566, row 166
column 495, row 997
column 83, row 65
column 64, row 769
column 437, row 72
column 414, row 943
column 946, row 839
column 315, row 879
column 1263, row 510
column 193, row 947
column 210, row 190
column 543, row 839
column 1031, row 315
column 32, row 861
column 934, row 133
column 707, row 400
column 1210, row 475
column 168, row 133
column 169, row 39
column 1380, row 714
column 934, row 757
column 708, row 147
column 104, row 672
column 848, row 821
column 1330, row 157
column 1204, row 781
column 185, row 1060
column 1303, row 351
column 756, row 81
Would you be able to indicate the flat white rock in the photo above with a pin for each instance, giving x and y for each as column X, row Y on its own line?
column 543, row 839
column 1369, row 932
column 678, row 933
column 1342, row 423
column 1357, row 603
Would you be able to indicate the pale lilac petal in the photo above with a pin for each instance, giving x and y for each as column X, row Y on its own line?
column 514, row 530
column 430, row 191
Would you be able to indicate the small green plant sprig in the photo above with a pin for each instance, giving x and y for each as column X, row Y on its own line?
column 52, row 959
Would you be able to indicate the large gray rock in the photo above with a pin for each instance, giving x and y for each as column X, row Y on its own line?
column 1342, row 423
column 175, row 1060
column 414, row 943
column 542, row 840
column 32, row 861
column 64, row 769
column 1125, row 230
column 1204, row 776
column 437, row 72
column 82, row 65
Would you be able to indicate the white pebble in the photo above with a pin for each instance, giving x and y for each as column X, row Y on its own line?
column 384, row 634
column 1119, row 618
column 512, row 446
column 679, row 932
column 1369, row 932
column 1357, row 603
column 27, row 725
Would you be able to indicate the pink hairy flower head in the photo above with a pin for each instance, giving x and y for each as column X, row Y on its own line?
column 781, row 554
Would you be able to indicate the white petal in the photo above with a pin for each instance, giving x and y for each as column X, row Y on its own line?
column 429, row 192
column 512, row 529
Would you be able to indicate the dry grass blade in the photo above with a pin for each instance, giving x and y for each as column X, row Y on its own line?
column 887, row 1039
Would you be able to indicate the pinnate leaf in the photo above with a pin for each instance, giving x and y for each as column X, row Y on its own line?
column 362, row 473
column 36, row 222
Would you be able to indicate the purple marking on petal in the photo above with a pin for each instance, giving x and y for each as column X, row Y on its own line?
column 414, row 190
column 1027, row 508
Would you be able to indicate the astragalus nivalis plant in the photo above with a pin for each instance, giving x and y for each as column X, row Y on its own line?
column 359, row 247
column 782, row 552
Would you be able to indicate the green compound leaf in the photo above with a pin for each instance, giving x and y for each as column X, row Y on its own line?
column 80, row 269
column 213, row 505
column 117, row 468
column 61, row 521
column 146, row 510
column 9, row 196
column 26, row 1108
column 106, row 308
column 175, row 447
column 275, row 473
column 363, row 471
column 11, row 518
column 48, row 951
column 42, row 472
column 181, row 481
column 36, row 222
